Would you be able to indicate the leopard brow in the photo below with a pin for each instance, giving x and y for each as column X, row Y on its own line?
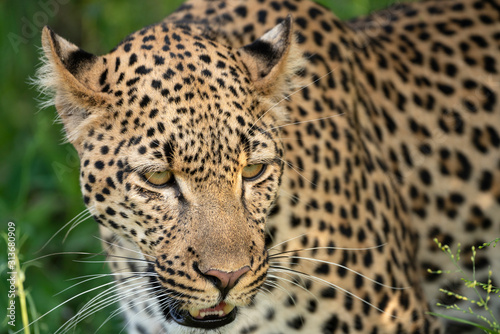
column 150, row 167
column 263, row 160
column 253, row 157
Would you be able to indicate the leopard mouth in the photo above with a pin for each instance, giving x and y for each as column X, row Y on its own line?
column 208, row 318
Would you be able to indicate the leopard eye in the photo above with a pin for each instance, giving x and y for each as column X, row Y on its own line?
column 251, row 172
column 159, row 179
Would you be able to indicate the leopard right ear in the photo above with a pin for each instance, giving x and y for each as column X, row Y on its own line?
column 70, row 77
column 273, row 61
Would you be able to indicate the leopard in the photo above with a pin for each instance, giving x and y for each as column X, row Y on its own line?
column 260, row 166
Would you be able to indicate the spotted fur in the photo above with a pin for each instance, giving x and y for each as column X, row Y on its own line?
column 377, row 136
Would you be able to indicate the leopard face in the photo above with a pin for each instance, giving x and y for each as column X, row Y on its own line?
column 181, row 157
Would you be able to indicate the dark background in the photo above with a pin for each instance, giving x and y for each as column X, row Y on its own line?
column 39, row 188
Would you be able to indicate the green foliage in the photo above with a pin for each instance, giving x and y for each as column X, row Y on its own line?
column 38, row 174
column 489, row 323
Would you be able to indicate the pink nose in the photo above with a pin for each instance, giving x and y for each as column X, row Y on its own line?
column 225, row 281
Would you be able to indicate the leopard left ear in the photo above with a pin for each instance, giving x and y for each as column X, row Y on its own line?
column 70, row 77
column 273, row 60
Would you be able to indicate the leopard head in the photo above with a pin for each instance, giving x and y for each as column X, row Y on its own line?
column 178, row 138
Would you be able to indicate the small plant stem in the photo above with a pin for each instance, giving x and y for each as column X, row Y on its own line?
column 22, row 295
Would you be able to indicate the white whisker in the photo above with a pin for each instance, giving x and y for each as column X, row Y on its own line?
column 343, row 267
column 125, row 248
column 334, row 247
column 61, row 304
column 61, row 253
column 266, row 290
column 97, row 303
column 62, row 228
column 97, row 276
column 76, row 223
column 296, row 198
column 109, row 261
column 288, row 96
column 281, row 269
column 276, row 285
column 306, row 121
column 293, row 283
column 286, row 241
column 290, row 165
column 166, row 303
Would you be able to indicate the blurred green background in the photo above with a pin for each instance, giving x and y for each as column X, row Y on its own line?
column 39, row 188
